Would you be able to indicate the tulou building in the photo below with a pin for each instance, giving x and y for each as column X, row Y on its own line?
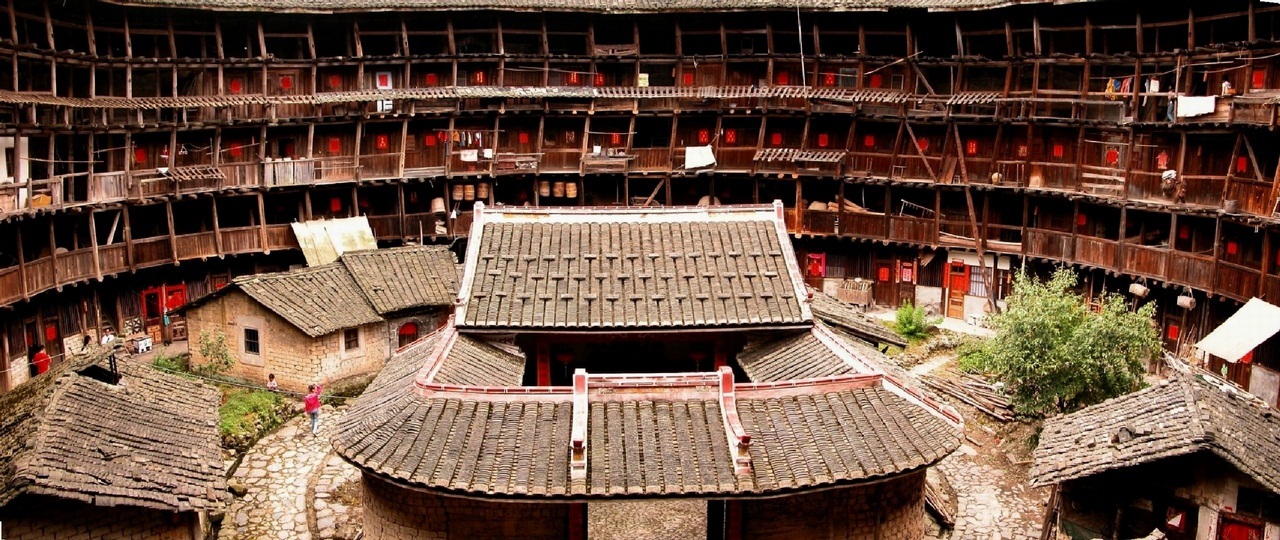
column 155, row 150
column 644, row 362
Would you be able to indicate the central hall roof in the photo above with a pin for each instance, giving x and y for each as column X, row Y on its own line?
column 150, row 441
column 690, row 434
column 574, row 269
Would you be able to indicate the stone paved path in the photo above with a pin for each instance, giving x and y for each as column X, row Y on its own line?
column 290, row 476
column 988, row 510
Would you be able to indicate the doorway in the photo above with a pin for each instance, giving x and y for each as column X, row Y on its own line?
column 957, row 288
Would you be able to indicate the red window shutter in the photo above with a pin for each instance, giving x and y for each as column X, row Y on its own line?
column 382, row 142
column 731, row 136
column 1173, row 332
column 775, row 139
column 384, row 80
column 688, row 78
column 524, row 137
column 286, row 82
column 1059, row 150
column 824, row 140
column 1259, row 78
column 335, row 145
column 1242, row 164
column 971, row 147
column 868, row 140
column 598, row 80
column 615, row 138
column 783, row 78
column 704, row 136
column 432, row 79
column 235, row 86
column 139, row 155
column 335, row 82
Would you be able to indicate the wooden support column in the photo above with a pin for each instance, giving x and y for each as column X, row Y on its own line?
column 1119, row 261
column 93, row 241
column 22, row 258
column 1266, row 263
column 173, row 238
column 262, row 221
column 217, row 229
column 544, row 363
column 128, row 236
column 400, row 211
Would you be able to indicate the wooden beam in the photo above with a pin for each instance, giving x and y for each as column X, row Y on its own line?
column 173, row 237
column 93, row 241
column 217, row 229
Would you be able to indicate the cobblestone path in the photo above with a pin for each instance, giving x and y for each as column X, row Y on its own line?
column 989, row 507
column 290, row 478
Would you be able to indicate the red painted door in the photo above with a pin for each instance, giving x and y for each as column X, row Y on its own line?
column 1231, row 529
column 957, row 287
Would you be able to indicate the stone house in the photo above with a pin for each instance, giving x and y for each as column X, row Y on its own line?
column 1192, row 457
column 330, row 321
column 88, row 453
column 643, row 356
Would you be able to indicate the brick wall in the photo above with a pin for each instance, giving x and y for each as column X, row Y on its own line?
column 295, row 358
column 395, row 513
column 41, row 518
column 891, row 510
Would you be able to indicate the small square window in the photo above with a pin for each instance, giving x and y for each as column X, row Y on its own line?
column 251, row 343
column 351, row 339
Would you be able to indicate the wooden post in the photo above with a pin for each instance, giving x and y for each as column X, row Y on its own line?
column 1119, row 262
column 93, row 241
column 173, row 238
column 262, row 221
column 128, row 236
column 217, row 229
column 544, row 363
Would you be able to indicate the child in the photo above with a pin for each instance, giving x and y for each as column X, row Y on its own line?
column 312, row 402
column 271, row 383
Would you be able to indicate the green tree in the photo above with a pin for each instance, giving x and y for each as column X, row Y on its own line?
column 217, row 357
column 1056, row 355
column 912, row 323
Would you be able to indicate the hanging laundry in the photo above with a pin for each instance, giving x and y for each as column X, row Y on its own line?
column 1126, row 85
column 1110, row 90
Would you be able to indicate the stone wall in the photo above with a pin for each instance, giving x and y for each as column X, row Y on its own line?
column 42, row 518
column 395, row 513
column 891, row 510
column 295, row 358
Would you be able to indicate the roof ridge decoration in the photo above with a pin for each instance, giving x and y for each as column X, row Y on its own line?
column 739, row 439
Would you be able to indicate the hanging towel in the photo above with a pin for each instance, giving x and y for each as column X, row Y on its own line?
column 698, row 157
column 1189, row 106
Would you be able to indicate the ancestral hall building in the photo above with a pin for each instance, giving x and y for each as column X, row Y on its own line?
column 601, row 354
column 155, row 149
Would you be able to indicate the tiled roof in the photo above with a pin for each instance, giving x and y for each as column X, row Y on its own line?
column 404, row 278
column 1192, row 412
column 837, row 313
column 151, row 441
column 473, row 361
column 603, row 268
column 317, row 300
column 641, row 435
column 366, row 284
column 612, row 6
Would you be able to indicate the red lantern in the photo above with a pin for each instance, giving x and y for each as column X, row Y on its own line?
column 237, row 150
column 775, row 139
column 704, row 136
column 823, row 140
column 235, row 86
column 688, row 78
column 971, row 147
column 286, row 82
column 335, row 145
column 335, row 82
column 432, row 79
column 1184, row 232
column 923, row 144
column 868, row 140
column 731, row 136
column 1113, row 157
column 382, row 142
column 1081, row 219
column 784, row 78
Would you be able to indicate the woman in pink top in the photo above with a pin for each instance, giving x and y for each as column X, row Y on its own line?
column 312, row 402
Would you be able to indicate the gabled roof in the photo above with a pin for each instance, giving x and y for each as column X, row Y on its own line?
column 694, row 434
column 837, row 313
column 367, row 285
column 151, row 441
column 574, row 269
column 1191, row 412
column 404, row 278
column 611, row 6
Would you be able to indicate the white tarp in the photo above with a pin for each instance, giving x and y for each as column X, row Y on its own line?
column 323, row 241
column 698, row 157
column 1254, row 323
column 1196, row 105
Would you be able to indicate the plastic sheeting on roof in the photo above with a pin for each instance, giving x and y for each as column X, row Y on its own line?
column 323, row 241
column 1254, row 323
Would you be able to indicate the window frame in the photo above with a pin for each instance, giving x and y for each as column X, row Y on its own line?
column 245, row 341
column 346, row 338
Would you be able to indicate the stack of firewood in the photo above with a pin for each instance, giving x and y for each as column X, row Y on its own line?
column 973, row 391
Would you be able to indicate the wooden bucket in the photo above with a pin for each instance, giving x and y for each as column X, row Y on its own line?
column 437, row 205
column 469, row 192
column 457, row 192
column 557, row 189
column 571, row 190
column 544, row 188
column 482, row 191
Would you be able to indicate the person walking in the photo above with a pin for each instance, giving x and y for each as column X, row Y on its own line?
column 312, row 402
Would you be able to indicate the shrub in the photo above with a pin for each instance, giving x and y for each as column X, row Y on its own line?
column 170, row 364
column 246, row 415
column 913, row 324
column 217, row 357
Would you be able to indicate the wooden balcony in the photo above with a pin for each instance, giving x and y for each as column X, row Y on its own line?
column 864, row 225
column 913, row 230
column 1236, row 281
column 74, row 266
column 200, row 245
column 241, row 239
column 380, row 166
column 1190, row 269
column 1098, row 252
column 819, row 222
column 1150, row 261
column 113, row 259
column 152, row 252
column 385, row 227
column 651, row 160
column 289, row 172
column 1049, row 244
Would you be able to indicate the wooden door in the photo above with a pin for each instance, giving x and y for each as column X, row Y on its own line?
column 1172, row 332
column 957, row 287
column 906, row 282
column 1233, row 527
column 884, row 291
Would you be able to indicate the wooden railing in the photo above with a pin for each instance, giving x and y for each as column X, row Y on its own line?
column 289, row 172
column 1049, row 244
column 1144, row 260
column 113, row 258
column 651, row 160
column 39, row 275
column 11, row 285
column 1190, row 269
column 280, row 237
column 241, row 239
column 74, row 266
column 820, row 222
column 152, row 251
column 1239, row 282
column 196, row 245
column 865, row 225
column 1098, row 252
column 380, row 166
column 914, row 230
column 385, row 227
